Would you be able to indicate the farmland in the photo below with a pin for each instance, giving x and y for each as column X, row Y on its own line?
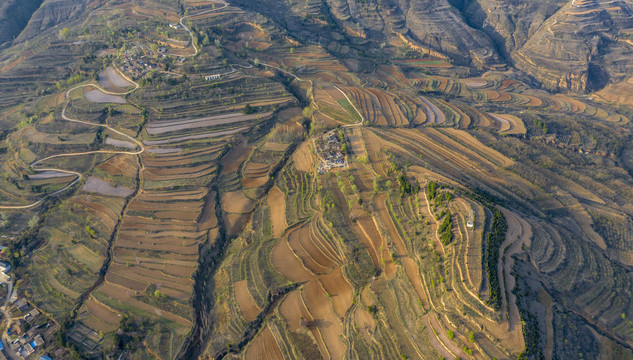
column 163, row 190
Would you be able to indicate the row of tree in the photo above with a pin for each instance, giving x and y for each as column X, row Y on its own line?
column 494, row 240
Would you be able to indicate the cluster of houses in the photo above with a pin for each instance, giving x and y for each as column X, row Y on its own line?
column 328, row 148
column 562, row 142
column 176, row 26
column 27, row 336
column 137, row 66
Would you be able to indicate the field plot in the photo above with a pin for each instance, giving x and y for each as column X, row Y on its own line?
column 277, row 205
column 154, row 256
column 111, row 80
column 75, row 250
column 303, row 159
column 512, row 93
column 207, row 99
column 333, row 104
column 388, row 108
column 96, row 185
column 247, row 305
column 99, row 97
column 264, row 347
column 191, row 166
column 510, row 125
column 167, row 126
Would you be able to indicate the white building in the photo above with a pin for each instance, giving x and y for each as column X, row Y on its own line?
column 471, row 219
column 5, row 267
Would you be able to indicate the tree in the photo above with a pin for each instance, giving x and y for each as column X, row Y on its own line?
column 33, row 221
column 377, row 181
column 64, row 33
column 471, row 336
column 248, row 109
column 307, row 112
column 450, row 334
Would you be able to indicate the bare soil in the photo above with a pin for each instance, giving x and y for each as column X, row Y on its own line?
column 263, row 347
column 277, row 206
column 236, row 202
column 99, row 186
column 96, row 96
column 245, row 301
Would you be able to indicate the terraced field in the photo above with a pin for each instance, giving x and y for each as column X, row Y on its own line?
column 185, row 217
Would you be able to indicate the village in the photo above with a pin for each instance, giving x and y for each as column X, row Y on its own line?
column 330, row 152
column 137, row 65
column 26, row 333
column 139, row 61
column 26, row 327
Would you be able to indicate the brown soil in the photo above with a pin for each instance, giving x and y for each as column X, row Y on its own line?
column 325, row 319
column 103, row 313
column 435, row 341
column 122, row 294
column 253, row 182
column 235, row 202
column 286, row 261
column 235, row 223
column 234, row 158
column 293, row 311
column 410, row 267
column 442, row 335
column 364, row 320
column 302, row 158
column 519, row 233
column 339, row 290
column 274, row 146
column 277, row 206
column 207, row 218
column 263, row 347
column 546, row 300
column 247, row 305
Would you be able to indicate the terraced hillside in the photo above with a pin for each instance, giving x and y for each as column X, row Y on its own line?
column 166, row 187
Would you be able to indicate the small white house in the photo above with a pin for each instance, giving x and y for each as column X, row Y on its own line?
column 5, row 266
column 471, row 219
column 212, row 77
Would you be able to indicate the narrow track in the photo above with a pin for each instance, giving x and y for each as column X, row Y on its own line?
column 225, row 4
column 79, row 176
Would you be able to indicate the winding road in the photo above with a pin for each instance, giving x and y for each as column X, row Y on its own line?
column 79, row 176
column 225, row 4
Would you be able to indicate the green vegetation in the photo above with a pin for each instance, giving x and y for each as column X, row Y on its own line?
column 431, row 190
column 494, row 239
column 446, row 230
column 64, row 33
column 350, row 109
column 224, row 239
column 248, row 109
column 405, row 187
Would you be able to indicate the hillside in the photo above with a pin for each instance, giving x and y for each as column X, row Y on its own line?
column 14, row 15
column 49, row 14
column 319, row 179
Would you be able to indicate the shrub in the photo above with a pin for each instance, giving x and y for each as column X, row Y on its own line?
column 248, row 109
column 446, row 230
column 495, row 238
